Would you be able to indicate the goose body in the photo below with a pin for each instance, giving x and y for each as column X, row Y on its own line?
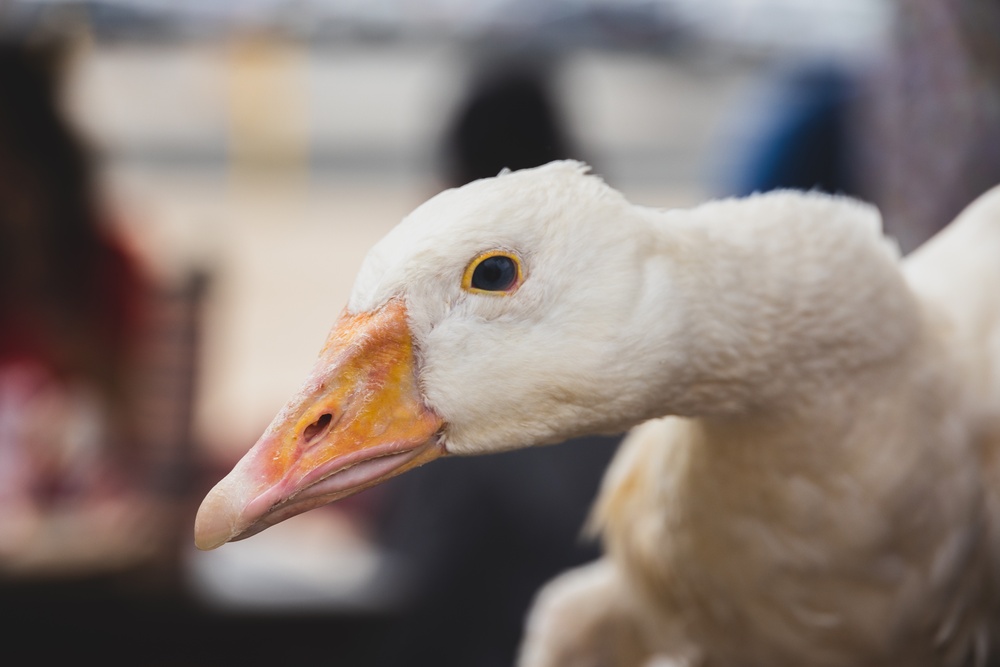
column 810, row 479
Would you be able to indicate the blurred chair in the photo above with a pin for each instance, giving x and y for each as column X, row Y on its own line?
column 478, row 536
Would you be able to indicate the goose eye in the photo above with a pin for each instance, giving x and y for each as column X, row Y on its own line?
column 495, row 272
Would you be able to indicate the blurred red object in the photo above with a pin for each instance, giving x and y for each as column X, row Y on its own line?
column 73, row 303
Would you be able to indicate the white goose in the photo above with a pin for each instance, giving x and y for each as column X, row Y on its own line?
column 817, row 484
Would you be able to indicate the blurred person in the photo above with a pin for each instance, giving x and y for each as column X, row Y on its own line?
column 916, row 133
column 798, row 134
column 480, row 535
column 508, row 120
column 71, row 305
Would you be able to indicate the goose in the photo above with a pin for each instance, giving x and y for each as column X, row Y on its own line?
column 811, row 473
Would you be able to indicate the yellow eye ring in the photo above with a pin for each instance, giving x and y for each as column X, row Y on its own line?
column 497, row 272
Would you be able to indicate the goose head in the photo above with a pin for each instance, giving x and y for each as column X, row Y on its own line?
column 540, row 305
column 490, row 318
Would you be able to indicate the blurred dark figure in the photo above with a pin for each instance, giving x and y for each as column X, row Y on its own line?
column 480, row 535
column 509, row 120
column 71, row 305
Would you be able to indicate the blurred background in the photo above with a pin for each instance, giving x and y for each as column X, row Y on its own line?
column 187, row 189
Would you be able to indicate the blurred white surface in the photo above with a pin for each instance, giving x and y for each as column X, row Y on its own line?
column 315, row 563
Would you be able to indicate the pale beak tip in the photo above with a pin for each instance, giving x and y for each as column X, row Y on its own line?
column 213, row 526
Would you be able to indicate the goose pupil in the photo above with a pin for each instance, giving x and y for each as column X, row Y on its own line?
column 495, row 274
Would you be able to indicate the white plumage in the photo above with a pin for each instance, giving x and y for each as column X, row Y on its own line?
column 816, row 483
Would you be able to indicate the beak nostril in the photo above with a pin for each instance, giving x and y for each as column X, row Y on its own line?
column 318, row 428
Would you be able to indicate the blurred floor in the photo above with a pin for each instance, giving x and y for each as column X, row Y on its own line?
column 100, row 620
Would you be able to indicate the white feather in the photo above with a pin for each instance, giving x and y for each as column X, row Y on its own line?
column 817, row 483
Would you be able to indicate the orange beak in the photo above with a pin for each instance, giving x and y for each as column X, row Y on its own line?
column 358, row 421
